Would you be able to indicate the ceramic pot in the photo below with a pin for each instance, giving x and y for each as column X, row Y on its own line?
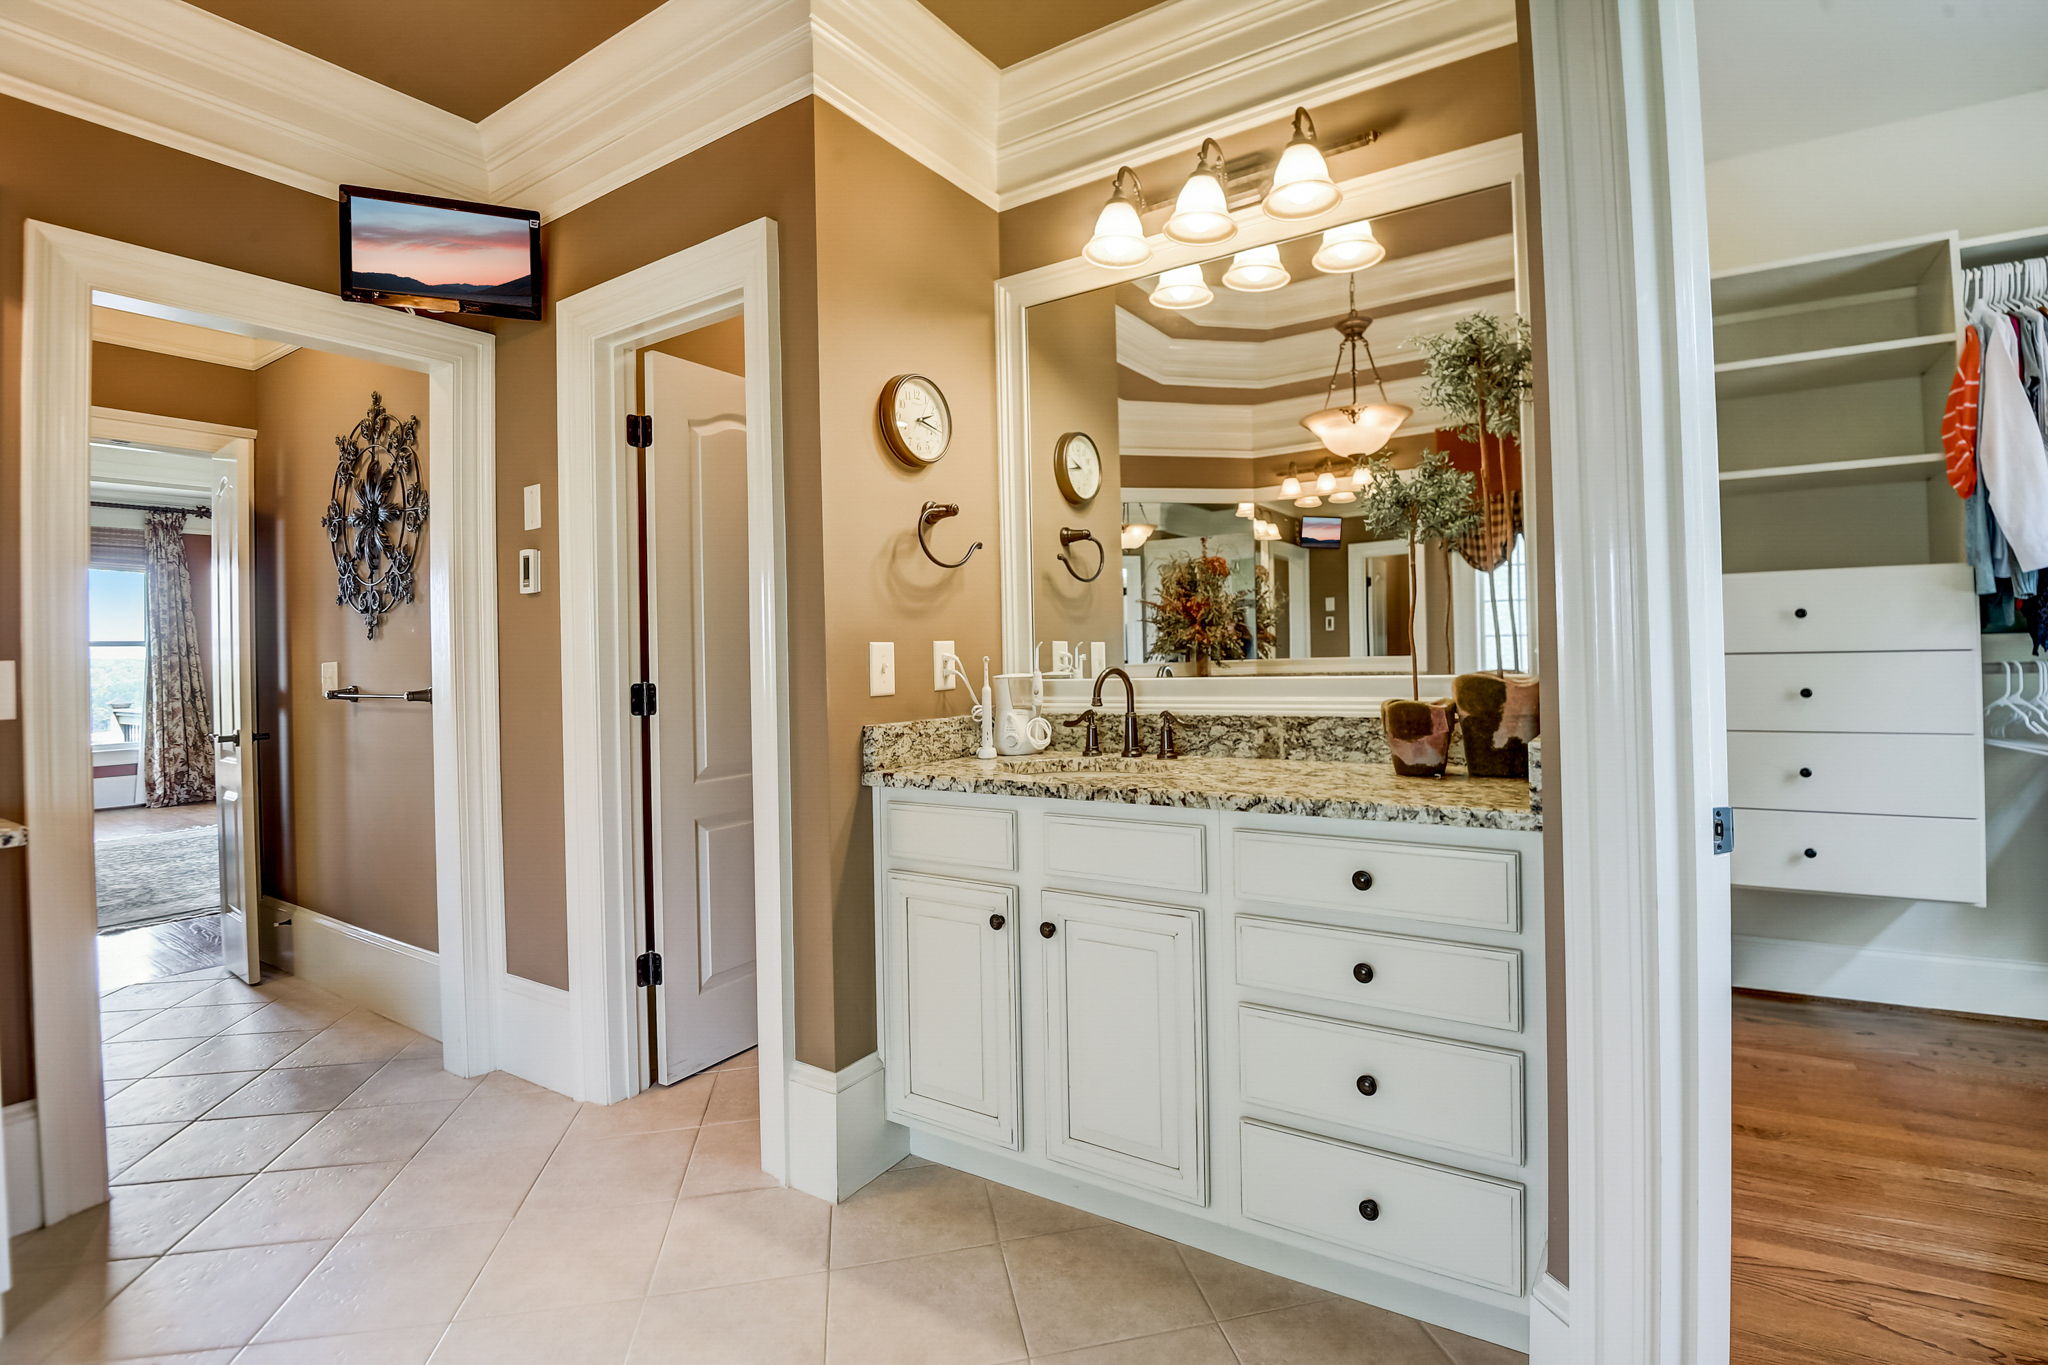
column 1418, row 735
column 1497, row 715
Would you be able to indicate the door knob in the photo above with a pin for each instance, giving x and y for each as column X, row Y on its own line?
column 1800, row 612
column 1812, row 853
column 232, row 737
column 1805, row 691
column 1368, row 1085
column 1362, row 880
column 1369, row 1209
column 1806, row 772
column 1362, row 973
column 996, row 921
column 1047, row 929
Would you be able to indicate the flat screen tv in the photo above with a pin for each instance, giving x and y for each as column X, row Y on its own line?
column 439, row 255
column 1322, row 533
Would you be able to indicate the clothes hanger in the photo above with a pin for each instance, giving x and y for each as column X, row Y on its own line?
column 2003, row 702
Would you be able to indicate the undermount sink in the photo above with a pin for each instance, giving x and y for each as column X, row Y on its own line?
column 1076, row 764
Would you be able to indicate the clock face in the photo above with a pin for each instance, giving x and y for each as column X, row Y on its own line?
column 916, row 421
column 1078, row 467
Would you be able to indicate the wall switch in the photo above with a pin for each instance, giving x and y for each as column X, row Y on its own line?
column 330, row 677
column 1099, row 652
column 1329, row 604
column 881, row 668
column 529, row 571
column 533, row 507
column 942, row 674
column 8, row 694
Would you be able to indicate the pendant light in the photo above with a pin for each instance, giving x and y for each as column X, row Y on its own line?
column 1356, row 429
column 1181, row 288
column 1119, row 240
column 1201, row 215
column 1347, row 248
column 1290, row 487
column 1256, row 271
column 1135, row 533
column 1302, row 187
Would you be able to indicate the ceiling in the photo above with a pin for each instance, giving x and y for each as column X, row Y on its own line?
column 1008, row 31
column 469, row 57
column 1775, row 72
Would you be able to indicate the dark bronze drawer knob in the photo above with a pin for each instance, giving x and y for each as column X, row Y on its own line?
column 1362, row 880
column 1812, row 853
column 1805, row 691
column 996, row 921
column 1047, row 929
column 1368, row 1085
column 1362, row 973
column 1800, row 612
column 1369, row 1209
column 1806, row 772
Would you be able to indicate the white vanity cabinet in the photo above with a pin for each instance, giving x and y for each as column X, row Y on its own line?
column 1314, row 1046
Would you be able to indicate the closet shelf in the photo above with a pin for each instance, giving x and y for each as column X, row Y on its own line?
column 1899, row 359
column 1831, row 275
column 1786, row 478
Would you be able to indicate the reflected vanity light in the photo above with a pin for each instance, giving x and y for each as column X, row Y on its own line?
column 1326, row 483
column 1347, row 248
column 1256, row 271
column 1201, row 214
column 1245, row 510
column 1119, row 240
column 1290, row 487
column 1302, row 187
column 1181, row 288
column 1308, row 500
column 1343, row 495
column 1265, row 530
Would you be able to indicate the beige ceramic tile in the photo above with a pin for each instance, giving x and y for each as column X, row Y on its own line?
column 359, row 1037
column 738, row 1238
column 231, row 992
column 291, row 1015
column 1234, row 1290
column 727, row 1158
column 504, row 1082
column 910, row 1163
column 498, row 1120
column 1026, row 1215
column 1332, row 1331
column 113, row 1023
column 562, row 1257
column 386, row 1279
column 589, row 1334
column 425, row 1047
column 950, row 1309
column 745, row 1061
column 219, row 1147
column 81, row 1237
column 652, row 1110
column 109, row 1089
column 399, row 1346
column 148, row 1220
column 234, row 1052
column 123, row 1061
column 292, row 1206
column 639, row 1168
column 389, row 1132
column 912, row 1213
column 193, row 1021
column 173, row 1099
column 1190, row 1346
column 411, row 1080
column 125, row 1146
column 294, row 1090
column 1464, row 1350
column 440, row 1191
column 49, row 1303
column 1099, row 1285
column 151, row 995
column 769, row 1322
column 735, row 1097
column 203, row 1301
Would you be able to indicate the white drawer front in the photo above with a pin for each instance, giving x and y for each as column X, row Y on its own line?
column 1859, row 774
column 1927, row 694
column 1452, row 1095
column 1861, row 855
column 1419, row 976
column 963, row 836
column 1904, row 606
column 1464, row 1226
column 1474, row 886
column 1149, row 853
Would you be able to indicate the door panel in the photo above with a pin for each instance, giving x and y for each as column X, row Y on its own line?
column 234, row 713
column 950, row 1040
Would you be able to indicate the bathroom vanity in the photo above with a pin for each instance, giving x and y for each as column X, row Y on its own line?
column 1288, row 1011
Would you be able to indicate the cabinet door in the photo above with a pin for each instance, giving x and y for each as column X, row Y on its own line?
column 1124, row 1056
column 951, row 1050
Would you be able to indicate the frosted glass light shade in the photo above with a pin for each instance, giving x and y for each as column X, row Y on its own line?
column 1309, row 500
column 1343, row 495
column 1326, row 483
column 1244, row 509
column 1136, row 534
column 1302, row 187
column 1290, row 487
column 1359, row 477
column 1201, row 215
column 1348, row 248
column 1256, row 271
column 1181, row 288
column 1119, row 240
column 1357, row 431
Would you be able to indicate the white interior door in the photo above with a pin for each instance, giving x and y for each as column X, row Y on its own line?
column 700, row 749
column 234, row 711
column 1291, row 565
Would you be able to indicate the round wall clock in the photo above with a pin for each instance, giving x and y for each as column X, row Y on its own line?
column 916, row 424
column 1077, row 467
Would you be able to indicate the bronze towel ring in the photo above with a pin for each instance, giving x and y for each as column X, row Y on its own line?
column 1074, row 535
column 937, row 512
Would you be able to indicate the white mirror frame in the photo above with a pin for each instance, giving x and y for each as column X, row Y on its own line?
column 1372, row 195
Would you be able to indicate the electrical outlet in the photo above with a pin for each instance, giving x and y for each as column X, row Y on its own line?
column 330, row 677
column 942, row 674
column 881, row 668
column 529, row 571
column 533, row 507
column 1329, row 623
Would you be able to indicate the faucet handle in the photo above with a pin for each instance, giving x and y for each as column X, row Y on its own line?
column 1092, row 744
column 1167, row 748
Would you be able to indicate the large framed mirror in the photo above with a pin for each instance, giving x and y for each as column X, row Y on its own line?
column 1156, row 464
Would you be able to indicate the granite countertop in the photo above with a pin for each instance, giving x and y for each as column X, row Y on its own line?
column 1265, row 786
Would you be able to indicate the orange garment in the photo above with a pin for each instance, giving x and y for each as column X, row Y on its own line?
column 1959, row 417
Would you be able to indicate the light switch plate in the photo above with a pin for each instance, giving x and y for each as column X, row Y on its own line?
column 1099, row 652
column 533, row 507
column 881, row 668
column 330, row 677
column 8, row 704
column 1329, row 604
column 529, row 572
column 942, row 676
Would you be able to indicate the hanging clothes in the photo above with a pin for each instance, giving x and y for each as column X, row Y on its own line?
column 2012, row 457
column 1959, row 418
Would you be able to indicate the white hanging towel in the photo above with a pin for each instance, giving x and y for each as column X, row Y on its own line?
column 2010, row 453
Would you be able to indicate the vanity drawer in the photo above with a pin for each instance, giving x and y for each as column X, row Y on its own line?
column 1901, row 693
column 1365, row 970
column 1472, row 886
column 1861, row 855
column 1464, row 1226
column 1941, row 775
column 1451, row 1095
column 961, row 836
column 1158, row 854
column 1900, row 606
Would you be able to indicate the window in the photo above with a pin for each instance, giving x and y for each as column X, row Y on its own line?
column 119, row 644
column 1508, row 589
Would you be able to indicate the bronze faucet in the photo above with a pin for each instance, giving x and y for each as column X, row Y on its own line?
column 1132, row 749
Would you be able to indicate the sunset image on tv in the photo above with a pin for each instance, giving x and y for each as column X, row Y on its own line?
column 429, row 252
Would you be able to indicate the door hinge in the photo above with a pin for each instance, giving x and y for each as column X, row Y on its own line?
column 647, row 969
column 1724, row 829
column 639, row 430
column 640, row 699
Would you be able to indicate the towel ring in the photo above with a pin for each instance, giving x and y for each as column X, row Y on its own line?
column 937, row 512
column 1074, row 535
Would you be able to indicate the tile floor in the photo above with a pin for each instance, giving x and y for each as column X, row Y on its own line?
column 299, row 1183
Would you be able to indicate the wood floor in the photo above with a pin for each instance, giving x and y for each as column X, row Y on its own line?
column 1891, row 1186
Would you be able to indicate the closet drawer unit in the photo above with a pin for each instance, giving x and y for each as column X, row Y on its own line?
column 1861, row 855
column 1451, row 1095
column 959, row 836
column 1156, row 854
column 1419, row 976
column 1901, row 606
column 1903, row 693
column 1937, row 775
column 1467, row 886
column 1464, row 1226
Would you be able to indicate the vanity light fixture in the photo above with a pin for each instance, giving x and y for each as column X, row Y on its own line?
column 1343, row 495
column 1347, row 248
column 1201, row 215
column 1181, row 288
column 1356, row 429
column 1119, row 240
column 1290, row 487
column 1256, row 271
column 1247, row 511
column 1308, row 500
column 1326, row 482
column 1135, row 533
column 1302, row 187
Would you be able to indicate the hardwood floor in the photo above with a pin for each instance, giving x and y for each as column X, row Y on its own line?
column 1891, row 1186
column 125, row 822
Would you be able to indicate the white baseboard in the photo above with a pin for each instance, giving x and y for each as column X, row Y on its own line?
column 116, row 793
column 839, row 1139
column 1887, row 976
column 1550, row 1332
column 21, row 1201
column 534, row 1033
column 397, row 980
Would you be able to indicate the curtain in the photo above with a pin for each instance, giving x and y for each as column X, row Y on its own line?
column 177, row 731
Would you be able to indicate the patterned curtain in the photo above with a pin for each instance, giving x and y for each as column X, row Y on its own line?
column 177, row 732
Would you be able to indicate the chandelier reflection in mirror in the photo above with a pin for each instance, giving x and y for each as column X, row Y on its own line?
column 377, row 515
column 1355, row 429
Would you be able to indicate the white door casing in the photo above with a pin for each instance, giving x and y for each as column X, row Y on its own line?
column 701, row 789
column 1300, row 637
column 237, row 791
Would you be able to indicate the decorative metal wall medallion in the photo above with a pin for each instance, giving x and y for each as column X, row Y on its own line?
column 378, row 514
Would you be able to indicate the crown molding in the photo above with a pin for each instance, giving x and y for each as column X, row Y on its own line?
column 141, row 332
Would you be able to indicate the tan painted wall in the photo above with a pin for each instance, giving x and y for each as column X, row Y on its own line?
column 172, row 386
column 721, row 345
column 1073, row 382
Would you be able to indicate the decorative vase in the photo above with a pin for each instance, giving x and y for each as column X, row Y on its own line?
column 1497, row 715
column 1418, row 735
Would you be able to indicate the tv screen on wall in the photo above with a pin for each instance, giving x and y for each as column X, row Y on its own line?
column 439, row 255
column 1322, row 533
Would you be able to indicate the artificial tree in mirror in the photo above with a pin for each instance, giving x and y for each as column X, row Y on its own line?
column 1200, row 617
column 1428, row 505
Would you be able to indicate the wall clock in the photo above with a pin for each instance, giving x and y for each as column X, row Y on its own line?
column 916, row 424
column 1077, row 467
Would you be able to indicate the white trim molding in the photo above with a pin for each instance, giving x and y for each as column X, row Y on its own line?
column 840, row 1136
column 21, row 1156
column 1891, row 976
column 398, row 980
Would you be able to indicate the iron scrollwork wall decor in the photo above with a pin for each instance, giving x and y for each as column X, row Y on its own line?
column 378, row 515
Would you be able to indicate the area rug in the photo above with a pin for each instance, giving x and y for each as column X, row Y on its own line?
column 150, row 877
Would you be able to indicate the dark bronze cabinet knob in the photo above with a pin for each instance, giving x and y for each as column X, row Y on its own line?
column 1369, row 1209
column 1805, row 691
column 1806, row 772
column 1362, row 973
column 1362, row 880
column 996, row 921
column 1368, row 1085
column 1812, row 853
column 1047, row 929
column 1800, row 613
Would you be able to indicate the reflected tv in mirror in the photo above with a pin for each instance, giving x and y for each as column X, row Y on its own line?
column 1322, row 533
column 439, row 255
